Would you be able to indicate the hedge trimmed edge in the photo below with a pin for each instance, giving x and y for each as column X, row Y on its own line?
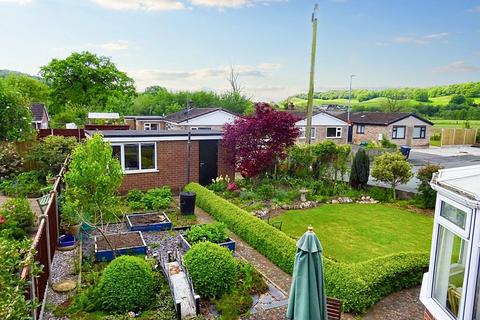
column 359, row 285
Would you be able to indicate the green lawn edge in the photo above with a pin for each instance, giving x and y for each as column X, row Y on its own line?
column 358, row 285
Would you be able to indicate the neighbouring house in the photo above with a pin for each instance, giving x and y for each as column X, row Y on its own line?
column 200, row 119
column 324, row 127
column 451, row 287
column 40, row 116
column 402, row 128
column 153, row 159
column 145, row 122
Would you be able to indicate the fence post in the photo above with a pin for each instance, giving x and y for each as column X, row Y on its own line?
column 441, row 138
column 33, row 293
column 464, row 136
column 475, row 137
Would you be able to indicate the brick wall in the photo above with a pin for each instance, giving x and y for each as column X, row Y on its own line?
column 224, row 167
column 172, row 162
column 372, row 132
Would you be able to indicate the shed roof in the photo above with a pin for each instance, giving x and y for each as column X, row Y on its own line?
column 103, row 115
column 463, row 181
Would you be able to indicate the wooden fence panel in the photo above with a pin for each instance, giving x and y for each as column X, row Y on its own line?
column 458, row 136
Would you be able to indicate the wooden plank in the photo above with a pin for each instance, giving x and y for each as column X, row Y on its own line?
column 181, row 289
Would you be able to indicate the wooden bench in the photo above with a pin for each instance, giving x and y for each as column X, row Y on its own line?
column 334, row 309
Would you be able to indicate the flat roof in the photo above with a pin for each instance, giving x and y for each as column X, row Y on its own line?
column 103, row 115
column 145, row 117
column 464, row 181
column 156, row 135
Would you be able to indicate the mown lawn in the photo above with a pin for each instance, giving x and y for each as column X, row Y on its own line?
column 359, row 232
column 455, row 123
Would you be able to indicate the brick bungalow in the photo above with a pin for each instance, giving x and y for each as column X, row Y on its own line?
column 145, row 122
column 324, row 127
column 153, row 159
column 401, row 128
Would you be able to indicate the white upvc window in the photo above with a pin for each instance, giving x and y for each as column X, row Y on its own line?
column 136, row 157
column 334, row 132
column 302, row 132
column 150, row 126
column 201, row 128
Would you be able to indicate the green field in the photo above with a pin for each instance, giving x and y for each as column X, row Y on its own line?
column 359, row 232
column 455, row 123
column 377, row 102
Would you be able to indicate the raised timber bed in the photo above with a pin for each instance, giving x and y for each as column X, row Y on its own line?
column 153, row 221
column 230, row 244
column 123, row 243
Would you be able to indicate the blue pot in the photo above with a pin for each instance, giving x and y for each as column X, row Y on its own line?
column 66, row 240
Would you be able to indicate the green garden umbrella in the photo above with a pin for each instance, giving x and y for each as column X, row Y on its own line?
column 307, row 300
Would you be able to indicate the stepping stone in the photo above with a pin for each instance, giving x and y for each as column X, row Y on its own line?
column 64, row 286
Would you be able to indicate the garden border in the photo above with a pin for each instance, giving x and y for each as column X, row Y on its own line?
column 359, row 285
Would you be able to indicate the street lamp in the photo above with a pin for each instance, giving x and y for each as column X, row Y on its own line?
column 350, row 98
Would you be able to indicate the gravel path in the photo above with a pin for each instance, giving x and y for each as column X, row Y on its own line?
column 63, row 268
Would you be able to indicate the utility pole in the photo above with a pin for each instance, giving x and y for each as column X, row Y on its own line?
column 308, row 130
column 350, row 99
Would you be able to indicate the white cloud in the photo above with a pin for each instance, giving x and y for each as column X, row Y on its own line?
column 474, row 9
column 232, row 3
column 147, row 5
column 117, row 45
column 382, row 44
column 21, row 2
column 457, row 67
column 426, row 39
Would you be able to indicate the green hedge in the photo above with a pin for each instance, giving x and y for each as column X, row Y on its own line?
column 359, row 285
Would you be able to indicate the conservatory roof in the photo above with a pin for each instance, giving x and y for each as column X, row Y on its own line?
column 464, row 181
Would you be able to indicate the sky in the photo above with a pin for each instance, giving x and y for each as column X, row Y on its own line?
column 191, row 44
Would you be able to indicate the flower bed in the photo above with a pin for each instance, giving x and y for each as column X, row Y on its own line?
column 215, row 233
column 229, row 244
column 154, row 221
column 122, row 243
column 359, row 285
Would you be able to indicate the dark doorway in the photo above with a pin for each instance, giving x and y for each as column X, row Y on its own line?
column 208, row 161
column 350, row 133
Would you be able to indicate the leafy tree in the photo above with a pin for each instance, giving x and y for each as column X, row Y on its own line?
column 393, row 169
column 29, row 88
column 360, row 170
column 15, row 116
column 458, row 99
column 421, row 95
column 255, row 142
column 92, row 180
column 85, row 80
column 426, row 195
column 11, row 162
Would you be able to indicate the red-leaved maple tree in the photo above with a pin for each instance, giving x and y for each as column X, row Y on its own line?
column 253, row 143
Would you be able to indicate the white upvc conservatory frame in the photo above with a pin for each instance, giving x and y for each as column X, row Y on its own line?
column 472, row 263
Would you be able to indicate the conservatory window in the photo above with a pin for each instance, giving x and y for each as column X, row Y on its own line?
column 453, row 214
column 449, row 270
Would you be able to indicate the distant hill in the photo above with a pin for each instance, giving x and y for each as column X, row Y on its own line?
column 409, row 97
column 6, row 72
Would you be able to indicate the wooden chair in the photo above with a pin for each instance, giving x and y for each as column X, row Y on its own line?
column 453, row 297
column 334, row 309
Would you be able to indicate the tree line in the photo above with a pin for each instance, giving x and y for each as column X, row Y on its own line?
column 85, row 82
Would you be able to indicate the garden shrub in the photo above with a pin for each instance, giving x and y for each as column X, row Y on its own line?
column 10, row 161
column 359, row 285
column 134, row 195
column 50, row 153
column 214, row 232
column 28, row 183
column 126, row 284
column 212, row 268
column 158, row 198
column 426, row 196
column 380, row 194
column 16, row 218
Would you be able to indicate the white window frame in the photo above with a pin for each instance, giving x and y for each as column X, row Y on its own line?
column 338, row 132
column 303, row 131
column 139, row 144
column 362, row 126
column 465, row 305
column 149, row 126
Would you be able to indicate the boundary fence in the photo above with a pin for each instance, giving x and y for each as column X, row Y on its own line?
column 44, row 246
column 456, row 136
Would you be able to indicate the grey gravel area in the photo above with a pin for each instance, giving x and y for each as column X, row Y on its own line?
column 63, row 268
